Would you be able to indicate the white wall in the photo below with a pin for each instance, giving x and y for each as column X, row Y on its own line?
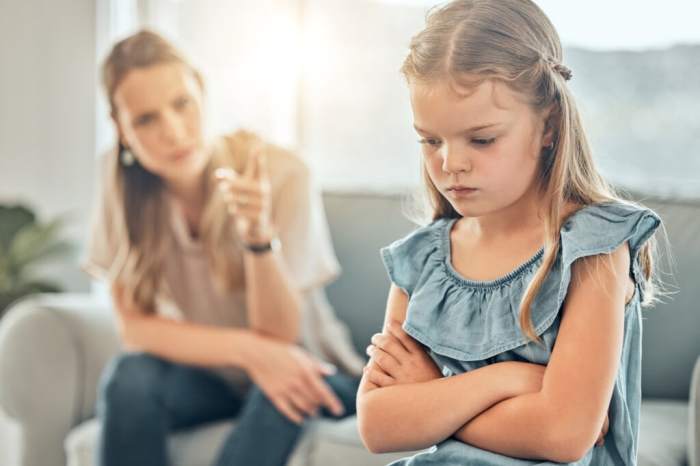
column 48, row 73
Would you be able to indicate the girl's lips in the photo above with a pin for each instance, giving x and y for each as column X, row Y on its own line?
column 462, row 191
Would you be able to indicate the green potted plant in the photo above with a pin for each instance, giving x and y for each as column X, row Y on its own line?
column 24, row 244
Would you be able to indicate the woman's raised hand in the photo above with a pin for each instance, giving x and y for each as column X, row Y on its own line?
column 291, row 379
column 247, row 197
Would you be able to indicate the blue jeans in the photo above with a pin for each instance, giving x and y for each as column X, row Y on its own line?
column 142, row 398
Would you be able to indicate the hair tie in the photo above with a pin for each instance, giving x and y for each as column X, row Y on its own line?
column 563, row 70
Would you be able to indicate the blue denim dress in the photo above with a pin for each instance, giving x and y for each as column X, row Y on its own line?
column 468, row 324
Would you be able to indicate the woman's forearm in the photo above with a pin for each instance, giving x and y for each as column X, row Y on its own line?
column 273, row 304
column 415, row 416
column 526, row 426
column 185, row 342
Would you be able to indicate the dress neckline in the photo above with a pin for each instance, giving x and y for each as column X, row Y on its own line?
column 462, row 280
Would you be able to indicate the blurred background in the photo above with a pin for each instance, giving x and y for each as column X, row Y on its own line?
column 321, row 77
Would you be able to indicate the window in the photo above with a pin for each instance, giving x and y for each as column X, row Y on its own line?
column 322, row 76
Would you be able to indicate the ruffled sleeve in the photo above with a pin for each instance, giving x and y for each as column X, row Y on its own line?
column 602, row 228
column 407, row 259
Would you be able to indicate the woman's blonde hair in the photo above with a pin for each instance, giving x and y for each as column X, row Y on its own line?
column 512, row 41
column 140, row 213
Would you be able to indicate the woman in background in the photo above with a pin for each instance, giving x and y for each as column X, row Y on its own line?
column 216, row 253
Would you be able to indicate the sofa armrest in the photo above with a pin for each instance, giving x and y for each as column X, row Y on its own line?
column 52, row 350
column 694, row 421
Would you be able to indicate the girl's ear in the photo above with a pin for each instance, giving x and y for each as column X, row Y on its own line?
column 550, row 123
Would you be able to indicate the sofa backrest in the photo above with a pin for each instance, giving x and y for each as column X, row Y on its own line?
column 363, row 223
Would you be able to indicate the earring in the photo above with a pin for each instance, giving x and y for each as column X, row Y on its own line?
column 127, row 157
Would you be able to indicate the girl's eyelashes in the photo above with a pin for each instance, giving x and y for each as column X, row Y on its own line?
column 483, row 141
column 432, row 142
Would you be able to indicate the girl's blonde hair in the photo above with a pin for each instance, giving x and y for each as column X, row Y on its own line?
column 140, row 214
column 512, row 41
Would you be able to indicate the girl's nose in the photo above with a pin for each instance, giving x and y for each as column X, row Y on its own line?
column 454, row 160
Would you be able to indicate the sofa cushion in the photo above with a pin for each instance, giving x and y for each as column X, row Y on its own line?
column 663, row 433
column 324, row 442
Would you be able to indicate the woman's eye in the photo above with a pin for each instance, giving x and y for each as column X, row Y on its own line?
column 483, row 141
column 144, row 120
column 182, row 102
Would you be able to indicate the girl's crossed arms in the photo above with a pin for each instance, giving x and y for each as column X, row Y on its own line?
column 519, row 409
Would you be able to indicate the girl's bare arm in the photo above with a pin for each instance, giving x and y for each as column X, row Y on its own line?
column 418, row 415
column 562, row 421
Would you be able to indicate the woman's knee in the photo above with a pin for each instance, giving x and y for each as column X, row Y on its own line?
column 264, row 411
column 131, row 378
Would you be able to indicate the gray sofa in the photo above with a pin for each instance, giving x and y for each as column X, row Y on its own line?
column 53, row 347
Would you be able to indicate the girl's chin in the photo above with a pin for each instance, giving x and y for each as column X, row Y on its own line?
column 467, row 208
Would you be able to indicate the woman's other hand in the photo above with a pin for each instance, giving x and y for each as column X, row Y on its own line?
column 291, row 378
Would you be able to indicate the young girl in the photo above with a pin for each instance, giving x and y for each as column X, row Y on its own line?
column 513, row 327
column 217, row 253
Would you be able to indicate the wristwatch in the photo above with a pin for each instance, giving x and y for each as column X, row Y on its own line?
column 272, row 245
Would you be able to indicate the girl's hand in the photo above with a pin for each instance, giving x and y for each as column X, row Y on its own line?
column 247, row 197
column 396, row 358
column 603, row 432
column 291, row 379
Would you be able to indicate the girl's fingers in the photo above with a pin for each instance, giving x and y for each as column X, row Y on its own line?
column 387, row 362
column 394, row 328
column 391, row 345
column 378, row 377
column 603, row 432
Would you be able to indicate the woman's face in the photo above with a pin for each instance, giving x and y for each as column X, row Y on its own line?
column 485, row 138
column 159, row 117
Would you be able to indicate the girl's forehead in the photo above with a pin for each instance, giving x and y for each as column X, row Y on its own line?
column 484, row 94
column 443, row 105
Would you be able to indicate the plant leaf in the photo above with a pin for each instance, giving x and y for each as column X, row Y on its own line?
column 13, row 219
column 33, row 242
